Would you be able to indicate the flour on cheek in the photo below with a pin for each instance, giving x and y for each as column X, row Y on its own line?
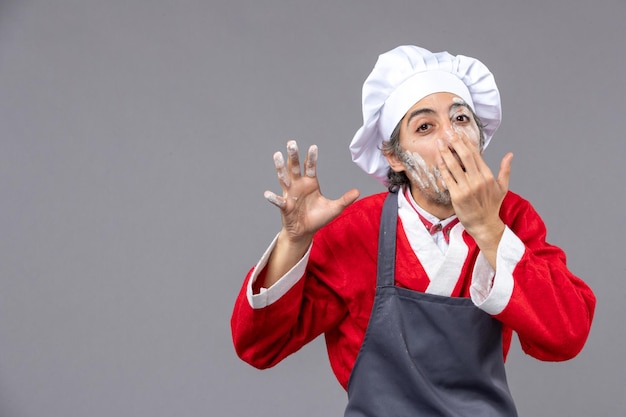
column 418, row 170
column 469, row 131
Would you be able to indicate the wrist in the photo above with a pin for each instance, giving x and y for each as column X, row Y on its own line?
column 293, row 244
column 284, row 256
column 488, row 236
column 488, row 240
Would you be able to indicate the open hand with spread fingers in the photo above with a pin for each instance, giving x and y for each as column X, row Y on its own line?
column 304, row 210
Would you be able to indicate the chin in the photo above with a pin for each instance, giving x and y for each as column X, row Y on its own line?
column 441, row 197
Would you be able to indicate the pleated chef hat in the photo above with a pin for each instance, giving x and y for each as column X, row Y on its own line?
column 401, row 78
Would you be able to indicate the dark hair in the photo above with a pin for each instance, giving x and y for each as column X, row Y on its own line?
column 395, row 179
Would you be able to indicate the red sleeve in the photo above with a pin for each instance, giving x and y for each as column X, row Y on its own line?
column 550, row 308
column 264, row 336
column 317, row 303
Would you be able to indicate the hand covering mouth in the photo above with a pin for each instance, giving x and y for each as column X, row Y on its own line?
column 458, row 158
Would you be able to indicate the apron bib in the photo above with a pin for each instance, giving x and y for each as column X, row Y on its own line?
column 425, row 355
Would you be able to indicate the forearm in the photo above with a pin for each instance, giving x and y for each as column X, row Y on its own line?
column 262, row 337
column 271, row 325
column 535, row 294
column 488, row 239
column 285, row 255
column 550, row 309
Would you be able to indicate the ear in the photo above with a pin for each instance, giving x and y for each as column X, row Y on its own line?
column 394, row 162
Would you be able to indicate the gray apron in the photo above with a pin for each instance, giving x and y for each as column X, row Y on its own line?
column 425, row 355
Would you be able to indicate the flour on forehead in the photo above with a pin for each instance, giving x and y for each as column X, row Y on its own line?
column 458, row 100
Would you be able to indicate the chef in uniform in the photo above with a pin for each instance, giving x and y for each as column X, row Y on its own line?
column 418, row 289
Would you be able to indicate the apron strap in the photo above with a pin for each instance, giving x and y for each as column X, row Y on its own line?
column 387, row 239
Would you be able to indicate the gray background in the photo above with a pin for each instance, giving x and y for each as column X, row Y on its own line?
column 137, row 140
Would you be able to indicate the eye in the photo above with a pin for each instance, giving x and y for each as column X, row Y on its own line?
column 462, row 118
column 423, row 127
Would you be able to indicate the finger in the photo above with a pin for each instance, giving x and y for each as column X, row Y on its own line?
column 465, row 153
column 450, row 164
column 447, row 179
column 349, row 197
column 293, row 162
column 505, row 171
column 477, row 156
column 310, row 163
column 281, row 170
column 279, row 202
column 476, row 168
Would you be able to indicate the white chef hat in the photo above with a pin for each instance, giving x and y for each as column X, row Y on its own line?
column 401, row 78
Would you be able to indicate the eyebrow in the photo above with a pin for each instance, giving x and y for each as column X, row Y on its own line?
column 417, row 112
column 457, row 105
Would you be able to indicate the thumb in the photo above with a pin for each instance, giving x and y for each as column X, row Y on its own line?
column 505, row 171
column 349, row 197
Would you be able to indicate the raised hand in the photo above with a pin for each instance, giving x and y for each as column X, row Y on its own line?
column 476, row 195
column 304, row 210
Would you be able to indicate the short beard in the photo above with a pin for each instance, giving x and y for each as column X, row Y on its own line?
column 425, row 178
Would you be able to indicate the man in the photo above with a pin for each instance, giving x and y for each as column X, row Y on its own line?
column 417, row 290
